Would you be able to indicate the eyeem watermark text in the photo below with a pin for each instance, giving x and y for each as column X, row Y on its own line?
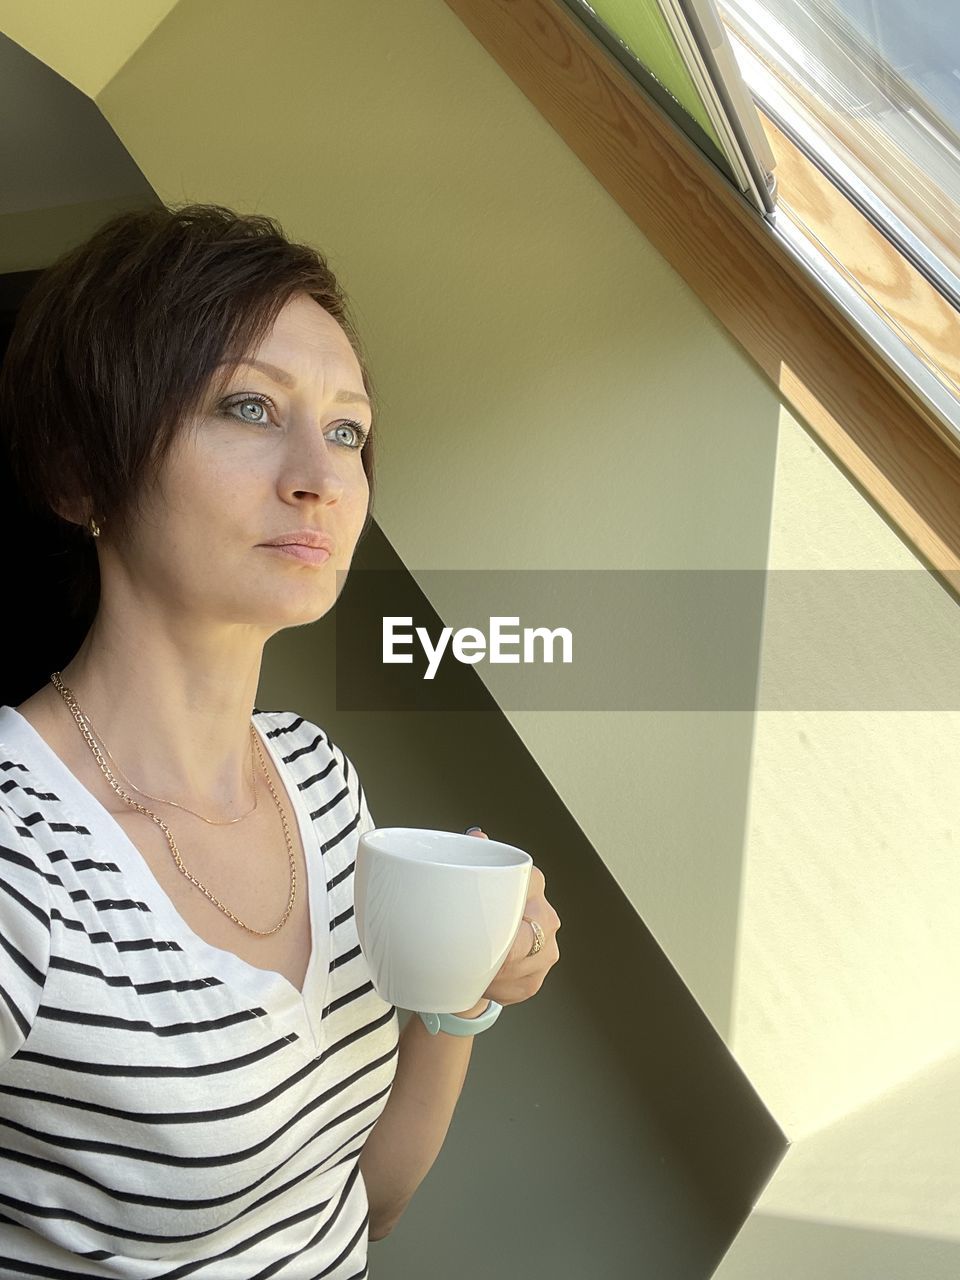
column 470, row 645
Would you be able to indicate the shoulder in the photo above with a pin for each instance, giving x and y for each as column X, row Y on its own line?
column 295, row 736
column 290, row 731
column 308, row 747
column 25, row 932
column 26, row 872
column 15, row 834
column 25, row 883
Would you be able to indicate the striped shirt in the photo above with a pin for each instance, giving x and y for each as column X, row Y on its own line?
column 166, row 1108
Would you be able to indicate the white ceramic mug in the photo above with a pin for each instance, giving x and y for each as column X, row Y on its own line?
column 437, row 913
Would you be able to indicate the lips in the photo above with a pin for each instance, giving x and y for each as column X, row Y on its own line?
column 297, row 550
column 303, row 538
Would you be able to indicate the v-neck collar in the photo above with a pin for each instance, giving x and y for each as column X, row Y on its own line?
column 268, row 986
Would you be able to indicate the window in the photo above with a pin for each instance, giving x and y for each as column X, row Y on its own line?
column 871, row 97
column 874, row 93
column 684, row 61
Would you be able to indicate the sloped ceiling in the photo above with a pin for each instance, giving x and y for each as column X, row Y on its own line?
column 56, row 148
column 88, row 53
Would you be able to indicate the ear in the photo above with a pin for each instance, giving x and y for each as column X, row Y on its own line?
column 73, row 510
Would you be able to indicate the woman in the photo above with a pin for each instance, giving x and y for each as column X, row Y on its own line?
column 197, row 1076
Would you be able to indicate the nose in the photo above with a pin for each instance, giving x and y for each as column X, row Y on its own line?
column 314, row 469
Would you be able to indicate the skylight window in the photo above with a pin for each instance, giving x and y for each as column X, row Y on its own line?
column 868, row 92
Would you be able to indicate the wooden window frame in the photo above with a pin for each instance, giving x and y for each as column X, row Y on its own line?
column 863, row 413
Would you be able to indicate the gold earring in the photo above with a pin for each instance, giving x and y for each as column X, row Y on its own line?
column 94, row 527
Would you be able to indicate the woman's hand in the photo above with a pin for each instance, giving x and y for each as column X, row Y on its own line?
column 521, row 976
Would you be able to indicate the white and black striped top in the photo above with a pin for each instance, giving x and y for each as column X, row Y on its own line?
column 166, row 1108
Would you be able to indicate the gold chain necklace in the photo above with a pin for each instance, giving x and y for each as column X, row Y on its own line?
column 214, row 822
column 78, row 715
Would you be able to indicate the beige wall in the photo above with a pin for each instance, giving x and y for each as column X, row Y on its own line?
column 556, row 397
column 849, row 955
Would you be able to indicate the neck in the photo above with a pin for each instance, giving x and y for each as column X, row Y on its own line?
column 172, row 705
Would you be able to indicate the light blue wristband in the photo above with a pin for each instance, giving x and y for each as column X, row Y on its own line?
column 454, row 1026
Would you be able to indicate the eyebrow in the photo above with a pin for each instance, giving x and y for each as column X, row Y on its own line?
column 285, row 379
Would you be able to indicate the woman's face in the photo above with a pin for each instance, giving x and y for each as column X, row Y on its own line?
column 276, row 452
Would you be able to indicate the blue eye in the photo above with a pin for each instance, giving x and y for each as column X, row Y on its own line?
column 254, row 398
column 358, row 431
column 259, row 400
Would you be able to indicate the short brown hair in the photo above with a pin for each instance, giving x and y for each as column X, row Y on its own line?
column 117, row 341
